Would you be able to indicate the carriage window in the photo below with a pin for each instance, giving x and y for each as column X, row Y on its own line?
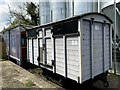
column 66, row 28
column 31, row 33
column 71, row 27
column 58, row 29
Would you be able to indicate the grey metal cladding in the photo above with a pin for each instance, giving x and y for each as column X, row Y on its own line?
column 58, row 10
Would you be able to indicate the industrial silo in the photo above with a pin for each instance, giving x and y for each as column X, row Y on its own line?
column 76, row 7
column 57, row 10
column 108, row 9
column 52, row 10
column 44, row 11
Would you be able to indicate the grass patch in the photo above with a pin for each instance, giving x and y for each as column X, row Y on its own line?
column 29, row 83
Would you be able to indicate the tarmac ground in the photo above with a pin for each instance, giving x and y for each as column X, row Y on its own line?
column 14, row 76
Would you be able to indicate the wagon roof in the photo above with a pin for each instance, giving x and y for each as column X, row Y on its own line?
column 71, row 18
column 24, row 26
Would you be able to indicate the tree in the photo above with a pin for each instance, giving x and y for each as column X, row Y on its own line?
column 33, row 11
column 27, row 14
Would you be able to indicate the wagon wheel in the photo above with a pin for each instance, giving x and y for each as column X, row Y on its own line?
column 106, row 83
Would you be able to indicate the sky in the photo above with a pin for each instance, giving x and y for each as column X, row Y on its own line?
column 4, row 10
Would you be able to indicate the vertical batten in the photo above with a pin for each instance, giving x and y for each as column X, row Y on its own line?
column 91, row 48
column 53, row 54
column 43, row 35
column 32, row 52
column 103, row 35
column 27, row 48
column 64, row 45
column 110, row 46
column 65, row 57
column 80, row 50
column 37, row 47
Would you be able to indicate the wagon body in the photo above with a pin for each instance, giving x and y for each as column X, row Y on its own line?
column 78, row 48
column 15, row 42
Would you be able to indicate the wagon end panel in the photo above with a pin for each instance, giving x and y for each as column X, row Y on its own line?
column 96, row 46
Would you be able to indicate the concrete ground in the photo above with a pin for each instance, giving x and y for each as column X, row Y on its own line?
column 14, row 76
column 117, row 68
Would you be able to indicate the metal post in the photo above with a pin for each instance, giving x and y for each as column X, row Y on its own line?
column 91, row 49
column 72, row 7
column 99, row 8
column 51, row 16
column 114, row 36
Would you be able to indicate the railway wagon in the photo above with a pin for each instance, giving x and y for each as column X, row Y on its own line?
column 78, row 48
column 15, row 39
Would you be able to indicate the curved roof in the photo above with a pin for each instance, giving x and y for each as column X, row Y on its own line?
column 71, row 18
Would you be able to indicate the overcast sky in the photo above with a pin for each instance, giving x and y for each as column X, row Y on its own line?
column 4, row 10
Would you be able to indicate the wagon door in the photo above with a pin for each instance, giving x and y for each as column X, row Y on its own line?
column 48, row 47
column 30, row 57
column 59, row 55
column 35, row 51
column 40, row 46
